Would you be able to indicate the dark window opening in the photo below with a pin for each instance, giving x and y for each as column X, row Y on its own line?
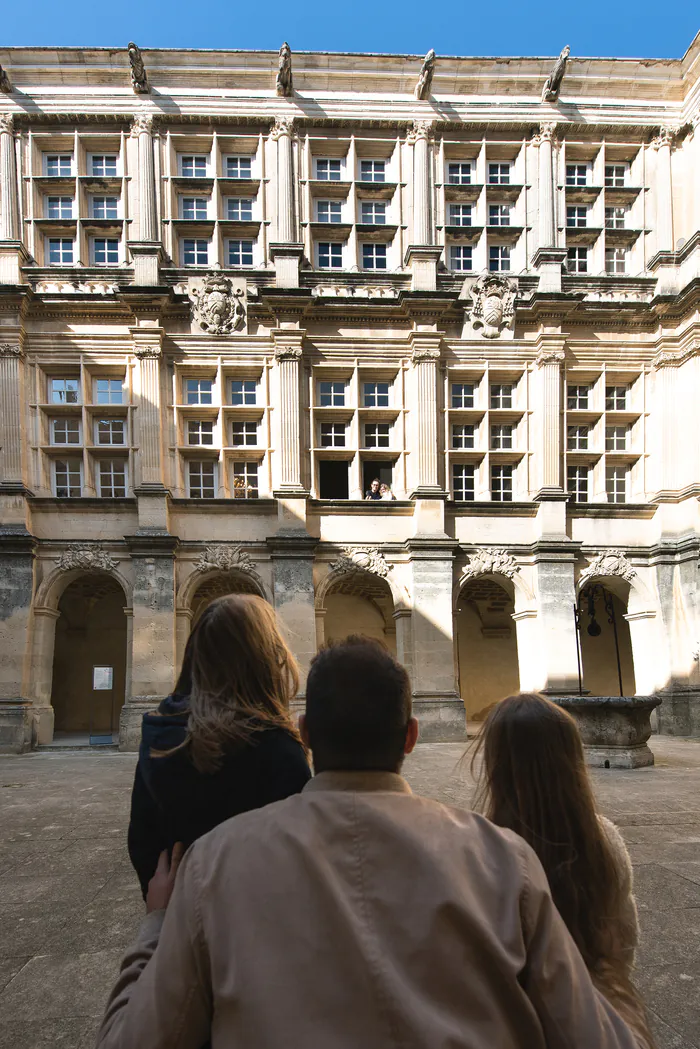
column 333, row 479
column 383, row 469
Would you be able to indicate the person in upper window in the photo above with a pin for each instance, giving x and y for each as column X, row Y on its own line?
column 533, row 781
column 386, row 493
column 224, row 742
column 374, row 490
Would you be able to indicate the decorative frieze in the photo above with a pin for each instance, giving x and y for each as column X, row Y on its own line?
column 490, row 561
column 362, row 559
column 674, row 358
column 609, row 563
column 87, row 558
column 221, row 558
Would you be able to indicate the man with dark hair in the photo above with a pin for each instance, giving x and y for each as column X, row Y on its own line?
column 356, row 915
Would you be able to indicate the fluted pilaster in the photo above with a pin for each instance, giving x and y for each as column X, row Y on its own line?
column 549, row 362
column 287, row 357
column 142, row 130
column 8, row 181
column 286, row 219
column 424, row 357
column 11, row 365
column 422, row 211
column 663, row 144
column 148, row 352
column 547, row 217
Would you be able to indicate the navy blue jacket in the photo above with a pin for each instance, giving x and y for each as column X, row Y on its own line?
column 172, row 801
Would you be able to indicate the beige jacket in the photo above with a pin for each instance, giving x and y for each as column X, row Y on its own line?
column 356, row 915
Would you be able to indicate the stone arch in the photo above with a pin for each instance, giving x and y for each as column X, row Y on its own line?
column 351, row 601
column 638, row 620
column 486, row 641
column 49, row 591
column 209, row 584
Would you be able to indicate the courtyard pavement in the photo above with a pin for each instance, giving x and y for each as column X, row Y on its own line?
column 69, row 901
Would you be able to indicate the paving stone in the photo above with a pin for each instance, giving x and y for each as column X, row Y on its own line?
column 666, row 1037
column 660, row 889
column 672, row 992
column 9, row 967
column 75, row 1033
column 54, row 987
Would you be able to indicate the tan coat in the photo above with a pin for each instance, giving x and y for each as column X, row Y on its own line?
column 357, row 915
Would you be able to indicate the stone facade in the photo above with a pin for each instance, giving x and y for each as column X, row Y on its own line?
column 229, row 298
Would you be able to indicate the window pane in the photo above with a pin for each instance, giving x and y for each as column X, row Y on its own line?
column 240, row 253
column 331, row 394
column 463, row 481
column 65, row 391
column 240, row 209
column 462, row 395
column 245, row 480
column 243, row 391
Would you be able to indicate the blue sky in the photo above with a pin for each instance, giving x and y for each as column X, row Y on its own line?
column 633, row 28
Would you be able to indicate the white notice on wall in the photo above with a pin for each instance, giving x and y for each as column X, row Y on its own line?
column 102, row 678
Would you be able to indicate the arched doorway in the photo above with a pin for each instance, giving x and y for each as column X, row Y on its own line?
column 487, row 646
column 219, row 585
column 89, row 662
column 607, row 663
column 359, row 603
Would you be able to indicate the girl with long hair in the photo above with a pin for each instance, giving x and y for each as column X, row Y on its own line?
column 224, row 742
column 533, row 780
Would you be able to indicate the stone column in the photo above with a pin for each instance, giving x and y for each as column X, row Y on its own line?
column 147, row 250
column 43, row 642
column 153, row 632
column 149, row 354
column 17, row 551
column 13, row 254
column 421, row 255
column 548, row 258
column 425, row 353
column 9, row 225
column 288, row 351
column 548, row 420
column 12, row 472
column 437, row 703
column 287, row 250
column 555, row 594
column 293, row 593
column 664, row 194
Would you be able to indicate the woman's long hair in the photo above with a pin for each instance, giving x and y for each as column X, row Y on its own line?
column 534, row 781
column 242, row 677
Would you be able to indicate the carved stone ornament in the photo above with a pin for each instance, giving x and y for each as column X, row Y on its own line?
column 283, row 84
column 552, row 85
column 425, row 78
column 611, row 562
column 217, row 307
column 139, row 79
column 5, row 85
column 7, row 123
column 7, row 349
column 141, row 124
column 87, row 558
column 362, row 559
column 224, row 559
column 674, row 358
column 550, row 356
column 420, row 129
column 487, row 561
column 146, row 352
column 547, row 132
column 666, row 137
column 493, row 304
column 282, row 126
column 424, row 353
column 287, row 353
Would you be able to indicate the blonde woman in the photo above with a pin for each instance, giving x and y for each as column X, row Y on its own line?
column 224, row 742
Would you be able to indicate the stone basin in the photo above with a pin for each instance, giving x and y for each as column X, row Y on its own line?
column 614, row 729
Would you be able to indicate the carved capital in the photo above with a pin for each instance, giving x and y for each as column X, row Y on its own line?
column 223, row 558
column 550, row 356
column 362, row 559
column 148, row 353
column 282, row 126
column 490, row 561
column 288, row 353
column 609, row 563
column 86, row 557
column 8, row 349
column 421, row 354
column 7, row 123
column 548, row 131
column 674, row 358
column 666, row 137
column 420, row 129
column 142, row 124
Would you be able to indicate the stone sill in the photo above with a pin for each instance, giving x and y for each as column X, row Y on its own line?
column 640, row 510
column 332, row 507
column 85, row 502
column 224, row 506
column 481, row 509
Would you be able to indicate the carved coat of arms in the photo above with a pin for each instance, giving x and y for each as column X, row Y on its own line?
column 218, row 307
column 493, row 304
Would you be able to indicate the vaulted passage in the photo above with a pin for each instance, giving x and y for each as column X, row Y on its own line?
column 601, row 617
column 90, row 633
column 218, row 586
column 360, row 603
column 487, row 648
